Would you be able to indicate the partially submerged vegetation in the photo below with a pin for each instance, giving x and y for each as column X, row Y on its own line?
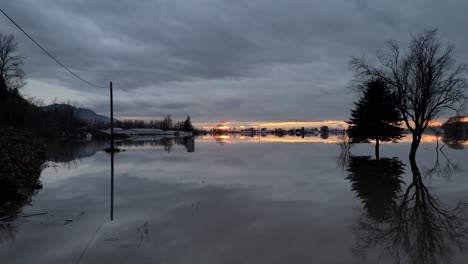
column 23, row 158
column 376, row 116
column 425, row 79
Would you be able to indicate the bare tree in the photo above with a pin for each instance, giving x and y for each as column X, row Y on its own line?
column 11, row 73
column 425, row 78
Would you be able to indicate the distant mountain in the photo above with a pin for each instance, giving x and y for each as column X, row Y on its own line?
column 84, row 114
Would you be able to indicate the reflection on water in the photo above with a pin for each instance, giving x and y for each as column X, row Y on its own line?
column 413, row 225
column 311, row 138
column 455, row 143
column 68, row 151
column 166, row 143
column 266, row 138
column 377, row 183
column 286, row 201
column 443, row 166
column 23, row 158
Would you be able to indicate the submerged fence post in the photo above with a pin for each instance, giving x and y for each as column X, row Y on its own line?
column 112, row 151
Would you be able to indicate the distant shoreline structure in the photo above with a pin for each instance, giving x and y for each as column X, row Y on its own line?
column 147, row 132
column 332, row 124
column 239, row 125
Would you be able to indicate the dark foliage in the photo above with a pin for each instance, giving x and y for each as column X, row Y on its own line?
column 376, row 116
column 16, row 111
column 324, row 132
column 166, row 124
column 455, row 132
column 22, row 159
column 188, row 127
column 418, row 229
column 425, row 79
column 377, row 183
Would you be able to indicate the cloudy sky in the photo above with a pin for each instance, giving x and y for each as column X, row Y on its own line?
column 242, row 60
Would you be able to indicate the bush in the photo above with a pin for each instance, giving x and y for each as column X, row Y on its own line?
column 22, row 159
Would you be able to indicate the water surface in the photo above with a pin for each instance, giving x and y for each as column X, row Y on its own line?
column 243, row 200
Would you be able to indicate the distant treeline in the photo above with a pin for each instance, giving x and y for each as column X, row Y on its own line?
column 166, row 124
column 455, row 132
column 20, row 113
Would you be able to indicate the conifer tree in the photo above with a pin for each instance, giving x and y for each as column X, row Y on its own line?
column 376, row 116
column 187, row 126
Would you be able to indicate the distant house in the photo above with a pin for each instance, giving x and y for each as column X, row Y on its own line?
column 88, row 136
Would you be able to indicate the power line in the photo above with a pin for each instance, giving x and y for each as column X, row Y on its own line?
column 50, row 55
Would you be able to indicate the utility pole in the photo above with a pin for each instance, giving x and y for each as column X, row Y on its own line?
column 112, row 151
column 111, row 117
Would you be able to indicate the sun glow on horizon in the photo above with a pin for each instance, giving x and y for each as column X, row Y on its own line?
column 340, row 124
column 332, row 139
column 223, row 126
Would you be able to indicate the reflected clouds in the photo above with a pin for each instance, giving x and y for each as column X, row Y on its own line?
column 412, row 225
column 286, row 201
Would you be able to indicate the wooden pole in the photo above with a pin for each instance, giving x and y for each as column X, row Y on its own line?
column 112, row 151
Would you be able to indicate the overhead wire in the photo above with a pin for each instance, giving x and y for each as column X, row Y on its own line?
column 81, row 79
column 48, row 53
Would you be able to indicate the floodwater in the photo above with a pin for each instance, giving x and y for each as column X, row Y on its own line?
column 243, row 200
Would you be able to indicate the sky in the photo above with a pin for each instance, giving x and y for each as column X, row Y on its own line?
column 246, row 61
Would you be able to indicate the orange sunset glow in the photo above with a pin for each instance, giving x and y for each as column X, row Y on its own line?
column 223, row 126
column 339, row 124
column 333, row 139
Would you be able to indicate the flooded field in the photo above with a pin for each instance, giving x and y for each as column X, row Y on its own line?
column 243, row 200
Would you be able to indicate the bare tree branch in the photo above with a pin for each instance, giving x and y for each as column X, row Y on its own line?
column 425, row 79
column 11, row 72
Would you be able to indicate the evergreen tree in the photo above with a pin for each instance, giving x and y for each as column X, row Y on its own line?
column 425, row 78
column 187, row 126
column 167, row 123
column 376, row 116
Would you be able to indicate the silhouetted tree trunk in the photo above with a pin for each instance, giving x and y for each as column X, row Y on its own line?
column 424, row 77
column 377, row 152
column 414, row 147
column 376, row 115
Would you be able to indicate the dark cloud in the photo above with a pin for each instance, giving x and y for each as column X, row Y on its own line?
column 218, row 59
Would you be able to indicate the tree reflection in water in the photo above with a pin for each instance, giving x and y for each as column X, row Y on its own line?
column 444, row 170
column 413, row 226
column 377, row 183
column 166, row 143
